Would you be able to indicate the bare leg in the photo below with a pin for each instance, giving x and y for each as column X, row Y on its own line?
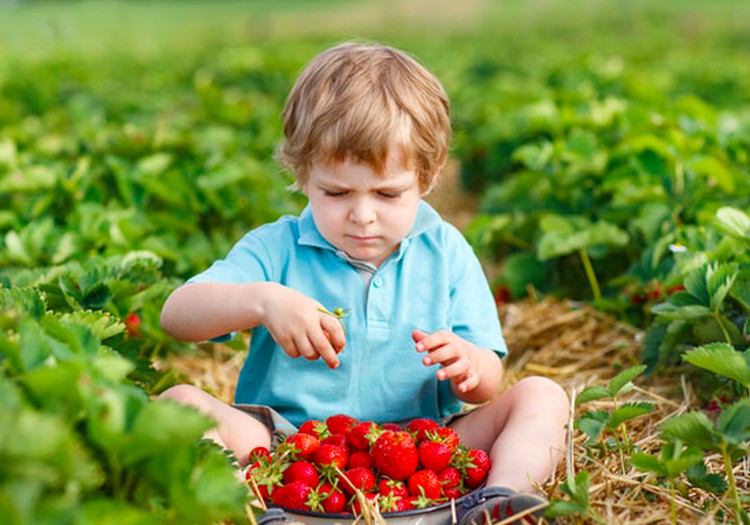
column 523, row 431
column 235, row 430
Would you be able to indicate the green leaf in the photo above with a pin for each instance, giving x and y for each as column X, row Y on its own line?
column 558, row 508
column 734, row 423
column 693, row 428
column 734, row 222
column 695, row 284
column 592, row 423
column 627, row 412
column 623, row 380
column 712, row 168
column 722, row 359
column 592, row 393
column 648, row 463
column 566, row 235
column 668, row 311
column 719, row 281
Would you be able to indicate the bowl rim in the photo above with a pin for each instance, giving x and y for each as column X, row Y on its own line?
column 387, row 515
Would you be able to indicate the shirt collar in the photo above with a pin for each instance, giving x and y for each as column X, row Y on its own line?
column 427, row 218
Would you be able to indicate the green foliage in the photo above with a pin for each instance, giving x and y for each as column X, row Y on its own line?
column 85, row 439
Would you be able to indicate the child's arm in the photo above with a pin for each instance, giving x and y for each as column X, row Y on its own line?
column 201, row 311
column 475, row 373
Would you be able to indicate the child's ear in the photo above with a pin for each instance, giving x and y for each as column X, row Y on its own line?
column 434, row 180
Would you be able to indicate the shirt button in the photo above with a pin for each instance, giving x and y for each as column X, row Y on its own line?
column 378, row 282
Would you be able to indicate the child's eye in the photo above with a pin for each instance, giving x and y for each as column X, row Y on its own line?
column 389, row 195
column 330, row 193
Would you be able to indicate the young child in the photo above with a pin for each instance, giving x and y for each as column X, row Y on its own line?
column 367, row 132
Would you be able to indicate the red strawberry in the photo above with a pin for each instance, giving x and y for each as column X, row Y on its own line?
column 259, row 454
column 425, row 483
column 340, row 423
column 293, row 496
column 434, row 455
column 302, row 471
column 360, row 458
column 479, row 458
column 450, row 478
column 339, row 440
column 360, row 434
column 133, row 324
column 395, row 455
column 331, row 456
column 418, row 427
column 314, row 427
column 444, row 435
column 357, row 478
column 390, row 486
column 371, row 497
column 475, row 476
column 302, row 446
column 393, row 427
column 452, row 493
column 393, row 503
column 334, row 501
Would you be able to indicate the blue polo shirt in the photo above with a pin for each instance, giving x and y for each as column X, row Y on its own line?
column 432, row 282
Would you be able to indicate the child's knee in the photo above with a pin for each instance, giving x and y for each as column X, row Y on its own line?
column 184, row 394
column 544, row 390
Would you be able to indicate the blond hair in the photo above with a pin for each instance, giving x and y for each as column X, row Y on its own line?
column 361, row 101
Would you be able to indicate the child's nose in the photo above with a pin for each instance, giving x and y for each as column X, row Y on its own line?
column 362, row 212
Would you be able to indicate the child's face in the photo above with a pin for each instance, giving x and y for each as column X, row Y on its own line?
column 361, row 212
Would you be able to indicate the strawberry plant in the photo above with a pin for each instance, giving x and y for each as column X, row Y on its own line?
column 87, row 442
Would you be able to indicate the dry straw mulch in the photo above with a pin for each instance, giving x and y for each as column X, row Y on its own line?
column 576, row 346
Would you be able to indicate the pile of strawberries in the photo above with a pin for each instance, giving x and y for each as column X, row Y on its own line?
column 332, row 466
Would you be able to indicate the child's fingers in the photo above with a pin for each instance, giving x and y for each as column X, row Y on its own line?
column 305, row 347
column 453, row 370
column 324, row 349
column 434, row 340
column 467, row 383
column 335, row 332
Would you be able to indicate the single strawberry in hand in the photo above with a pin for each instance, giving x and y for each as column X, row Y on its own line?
column 395, row 455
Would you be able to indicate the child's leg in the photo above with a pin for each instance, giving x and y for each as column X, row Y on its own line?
column 235, row 430
column 523, row 430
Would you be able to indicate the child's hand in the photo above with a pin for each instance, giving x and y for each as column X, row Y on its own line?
column 302, row 327
column 453, row 353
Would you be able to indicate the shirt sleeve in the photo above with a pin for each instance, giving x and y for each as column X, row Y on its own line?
column 248, row 261
column 473, row 313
